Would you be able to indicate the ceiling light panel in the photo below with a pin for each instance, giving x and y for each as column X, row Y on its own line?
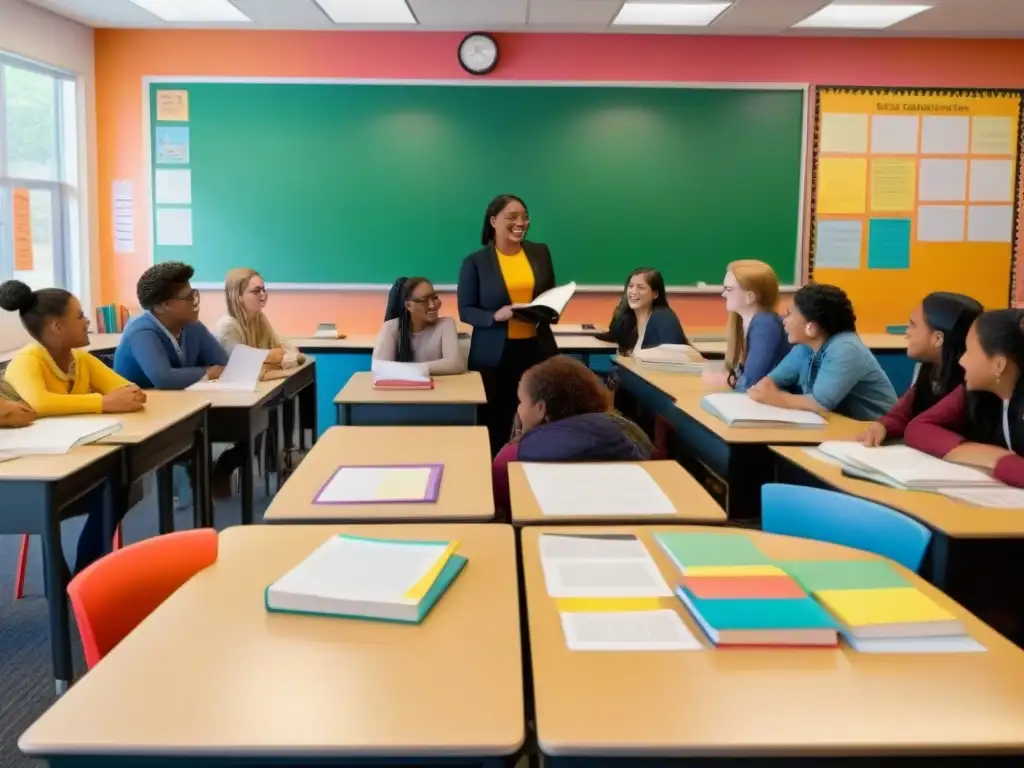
column 193, row 10
column 367, row 11
column 860, row 16
column 655, row 14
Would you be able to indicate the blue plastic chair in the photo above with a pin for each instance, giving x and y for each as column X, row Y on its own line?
column 814, row 513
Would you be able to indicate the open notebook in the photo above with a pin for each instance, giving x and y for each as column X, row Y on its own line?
column 547, row 307
column 54, row 435
column 903, row 467
column 388, row 374
column 738, row 410
column 241, row 374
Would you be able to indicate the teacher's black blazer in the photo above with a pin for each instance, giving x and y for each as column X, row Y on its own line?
column 482, row 292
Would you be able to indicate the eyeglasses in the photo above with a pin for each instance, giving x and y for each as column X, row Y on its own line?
column 431, row 299
column 192, row 296
column 258, row 291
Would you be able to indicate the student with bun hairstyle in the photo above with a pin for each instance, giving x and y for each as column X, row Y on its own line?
column 982, row 423
column 414, row 333
column 755, row 336
column 55, row 375
column 936, row 338
column 643, row 317
column 565, row 414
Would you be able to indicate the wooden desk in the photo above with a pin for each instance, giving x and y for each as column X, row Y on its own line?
column 692, row 502
column 465, row 495
column 99, row 343
column 737, row 456
column 242, row 685
column 454, row 400
column 38, row 493
column 299, row 390
column 762, row 703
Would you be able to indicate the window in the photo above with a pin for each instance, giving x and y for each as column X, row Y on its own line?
column 39, row 198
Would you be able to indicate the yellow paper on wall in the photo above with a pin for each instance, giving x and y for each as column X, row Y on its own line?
column 172, row 106
column 992, row 136
column 842, row 185
column 896, row 605
column 893, row 184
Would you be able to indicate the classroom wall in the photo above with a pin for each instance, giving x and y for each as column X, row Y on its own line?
column 31, row 32
column 124, row 57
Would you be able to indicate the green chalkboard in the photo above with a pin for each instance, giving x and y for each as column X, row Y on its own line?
column 360, row 183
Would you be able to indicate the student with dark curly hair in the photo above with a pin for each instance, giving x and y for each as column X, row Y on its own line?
column 829, row 366
column 167, row 347
column 565, row 414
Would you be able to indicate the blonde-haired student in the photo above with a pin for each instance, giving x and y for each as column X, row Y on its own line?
column 245, row 297
column 756, row 340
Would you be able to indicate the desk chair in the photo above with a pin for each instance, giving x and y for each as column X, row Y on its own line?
column 815, row 513
column 118, row 591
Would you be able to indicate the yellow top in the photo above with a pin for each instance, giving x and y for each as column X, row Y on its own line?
column 51, row 392
column 518, row 277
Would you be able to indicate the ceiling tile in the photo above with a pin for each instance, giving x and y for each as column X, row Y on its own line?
column 469, row 14
column 582, row 13
column 285, row 14
column 775, row 15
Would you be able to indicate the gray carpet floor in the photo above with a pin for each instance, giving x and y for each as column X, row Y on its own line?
column 26, row 682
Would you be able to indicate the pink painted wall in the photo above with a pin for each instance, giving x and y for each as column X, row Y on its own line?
column 124, row 57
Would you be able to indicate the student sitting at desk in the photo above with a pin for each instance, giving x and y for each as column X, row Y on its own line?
column 245, row 296
column 831, row 367
column 565, row 414
column 936, row 338
column 56, row 376
column 643, row 317
column 167, row 347
column 413, row 332
column 755, row 338
column 982, row 422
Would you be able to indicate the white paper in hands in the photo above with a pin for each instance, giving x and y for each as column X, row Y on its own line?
column 241, row 374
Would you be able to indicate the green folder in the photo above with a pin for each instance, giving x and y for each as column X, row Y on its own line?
column 690, row 550
column 817, row 575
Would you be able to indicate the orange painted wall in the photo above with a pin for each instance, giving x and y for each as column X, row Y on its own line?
column 124, row 57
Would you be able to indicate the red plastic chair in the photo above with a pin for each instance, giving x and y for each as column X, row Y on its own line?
column 118, row 591
column 19, row 577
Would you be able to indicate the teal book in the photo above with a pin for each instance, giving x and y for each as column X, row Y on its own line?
column 786, row 621
column 693, row 550
column 818, row 575
column 363, row 578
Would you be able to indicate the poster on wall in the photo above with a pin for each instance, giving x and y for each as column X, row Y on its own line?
column 914, row 191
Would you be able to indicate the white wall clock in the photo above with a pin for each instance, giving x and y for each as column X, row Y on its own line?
column 478, row 53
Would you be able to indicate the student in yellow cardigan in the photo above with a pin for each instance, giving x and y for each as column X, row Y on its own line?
column 55, row 375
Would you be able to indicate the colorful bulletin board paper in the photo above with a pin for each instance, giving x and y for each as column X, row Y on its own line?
column 172, row 145
column 842, row 185
column 24, row 253
column 889, row 244
column 172, row 106
column 844, row 133
column 940, row 178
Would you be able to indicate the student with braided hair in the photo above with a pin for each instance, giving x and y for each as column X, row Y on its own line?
column 414, row 333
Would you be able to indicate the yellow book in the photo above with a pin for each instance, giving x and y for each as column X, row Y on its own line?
column 889, row 613
column 735, row 570
column 419, row 590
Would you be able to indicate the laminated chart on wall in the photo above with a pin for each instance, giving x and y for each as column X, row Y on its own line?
column 915, row 191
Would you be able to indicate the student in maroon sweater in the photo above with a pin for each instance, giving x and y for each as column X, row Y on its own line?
column 936, row 335
column 982, row 423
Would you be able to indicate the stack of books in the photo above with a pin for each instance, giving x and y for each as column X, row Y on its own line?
column 111, row 319
column 738, row 410
column 391, row 375
column 367, row 578
column 878, row 610
column 739, row 597
column 671, row 358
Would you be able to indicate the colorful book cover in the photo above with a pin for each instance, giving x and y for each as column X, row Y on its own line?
column 689, row 550
column 818, row 575
column 869, row 607
column 743, row 587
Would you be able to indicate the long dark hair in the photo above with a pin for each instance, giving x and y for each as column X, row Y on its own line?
column 623, row 329
column 496, row 206
column 1000, row 332
column 400, row 293
column 952, row 315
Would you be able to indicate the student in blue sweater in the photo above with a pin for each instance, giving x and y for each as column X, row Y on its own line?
column 830, row 366
column 167, row 347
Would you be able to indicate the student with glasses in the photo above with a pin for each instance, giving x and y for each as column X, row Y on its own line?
column 413, row 332
column 167, row 347
column 245, row 295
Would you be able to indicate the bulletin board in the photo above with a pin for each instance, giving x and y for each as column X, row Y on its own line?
column 914, row 191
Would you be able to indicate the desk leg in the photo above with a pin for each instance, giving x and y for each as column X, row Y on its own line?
column 201, row 495
column 165, row 498
column 307, row 405
column 248, row 449
column 54, row 570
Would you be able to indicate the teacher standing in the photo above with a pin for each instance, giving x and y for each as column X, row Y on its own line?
column 507, row 270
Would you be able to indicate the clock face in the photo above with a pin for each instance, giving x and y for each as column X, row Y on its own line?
column 478, row 54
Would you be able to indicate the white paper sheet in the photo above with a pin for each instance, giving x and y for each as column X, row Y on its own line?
column 124, row 217
column 626, row 572
column 596, row 489
column 893, row 135
column 906, row 465
column 991, row 181
column 993, row 136
column 174, row 226
column 740, row 410
column 945, row 135
column 370, row 485
column 1003, row 497
column 389, row 370
column 628, row 631
column 838, row 244
column 941, row 223
column 555, row 299
column 990, row 224
column 241, row 374
column 844, row 132
column 596, row 547
column 173, row 186
column 819, row 455
column 942, row 181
